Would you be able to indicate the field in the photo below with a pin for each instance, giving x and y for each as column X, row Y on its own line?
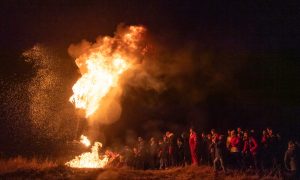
column 22, row 168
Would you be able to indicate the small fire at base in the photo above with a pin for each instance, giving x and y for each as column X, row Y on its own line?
column 89, row 159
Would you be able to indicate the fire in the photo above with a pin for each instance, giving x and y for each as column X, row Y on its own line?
column 102, row 66
column 84, row 140
column 89, row 159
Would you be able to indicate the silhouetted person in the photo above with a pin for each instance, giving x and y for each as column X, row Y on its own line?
column 274, row 148
column 219, row 146
column 136, row 158
column 291, row 161
column 153, row 154
column 265, row 156
column 128, row 156
column 180, row 154
column 186, row 148
column 142, row 153
column 202, row 151
column 239, row 132
column 210, row 149
column 163, row 153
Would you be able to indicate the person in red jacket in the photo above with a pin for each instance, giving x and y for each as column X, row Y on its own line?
column 193, row 145
column 250, row 150
column 235, row 151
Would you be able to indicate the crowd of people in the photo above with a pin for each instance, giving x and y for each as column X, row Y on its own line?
column 238, row 149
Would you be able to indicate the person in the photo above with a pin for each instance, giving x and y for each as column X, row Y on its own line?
column 153, row 153
column 180, row 154
column 227, row 150
column 163, row 153
column 172, row 148
column 264, row 137
column 265, row 157
column 136, row 159
column 210, row 150
column 274, row 144
column 186, row 149
column 239, row 132
column 193, row 146
column 219, row 147
column 128, row 157
column 234, row 149
column 213, row 133
column 202, row 152
column 228, row 138
column 240, row 135
column 142, row 153
column 249, row 151
column 291, row 161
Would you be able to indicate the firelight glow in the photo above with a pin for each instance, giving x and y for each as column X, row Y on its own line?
column 84, row 140
column 89, row 159
column 101, row 68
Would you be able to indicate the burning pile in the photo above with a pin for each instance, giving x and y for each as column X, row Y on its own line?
column 89, row 159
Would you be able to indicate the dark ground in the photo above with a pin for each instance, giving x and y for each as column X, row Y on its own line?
column 61, row 172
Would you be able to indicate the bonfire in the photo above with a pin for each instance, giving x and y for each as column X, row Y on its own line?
column 89, row 159
column 101, row 67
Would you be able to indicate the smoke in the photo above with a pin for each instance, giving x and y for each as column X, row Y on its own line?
column 163, row 88
column 185, row 73
column 129, row 43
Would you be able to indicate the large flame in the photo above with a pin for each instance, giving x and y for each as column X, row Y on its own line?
column 89, row 159
column 101, row 67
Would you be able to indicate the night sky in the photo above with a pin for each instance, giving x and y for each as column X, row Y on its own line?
column 244, row 54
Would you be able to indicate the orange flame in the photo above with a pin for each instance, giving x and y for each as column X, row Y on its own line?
column 89, row 159
column 101, row 68
column 84, row 140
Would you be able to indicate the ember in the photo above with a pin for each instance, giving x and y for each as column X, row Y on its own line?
column 84, row 140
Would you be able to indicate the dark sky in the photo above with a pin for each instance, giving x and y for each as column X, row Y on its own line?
column 260, row 38
column 258, row 25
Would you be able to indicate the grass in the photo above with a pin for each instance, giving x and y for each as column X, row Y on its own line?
column 190, row 172
column 23, row 168
column 20, row 163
